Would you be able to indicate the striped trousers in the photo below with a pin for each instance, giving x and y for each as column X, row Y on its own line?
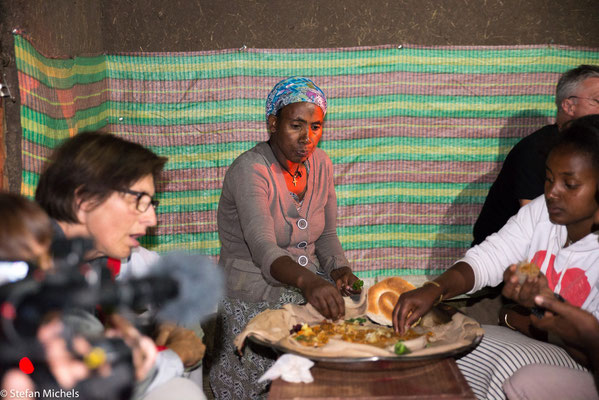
column 500, row 354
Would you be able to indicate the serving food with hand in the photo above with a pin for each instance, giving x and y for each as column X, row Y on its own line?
column 383, row 296
column 302, row 330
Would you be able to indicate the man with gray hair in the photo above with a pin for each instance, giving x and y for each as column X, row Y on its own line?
column 522, row 176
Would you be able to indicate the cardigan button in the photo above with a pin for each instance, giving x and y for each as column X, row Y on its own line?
column 302, row 244
column 302, row 223
column 302, row 260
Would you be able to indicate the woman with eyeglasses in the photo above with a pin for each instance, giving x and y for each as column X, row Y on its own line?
column 99, row 186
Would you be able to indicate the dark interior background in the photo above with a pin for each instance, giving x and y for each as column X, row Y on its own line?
column 65, row 28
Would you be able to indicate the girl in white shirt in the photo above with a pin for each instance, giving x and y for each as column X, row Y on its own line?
column 556, row 232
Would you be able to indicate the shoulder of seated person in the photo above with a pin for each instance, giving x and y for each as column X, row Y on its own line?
column 246, row 159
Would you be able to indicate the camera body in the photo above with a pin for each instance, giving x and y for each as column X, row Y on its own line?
column 72, row 292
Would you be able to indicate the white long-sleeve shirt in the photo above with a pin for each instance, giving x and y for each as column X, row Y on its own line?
column 573, row 272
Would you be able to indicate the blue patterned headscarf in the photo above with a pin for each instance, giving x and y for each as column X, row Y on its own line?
column 294, row 90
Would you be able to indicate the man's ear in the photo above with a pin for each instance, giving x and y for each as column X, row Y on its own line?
column 272, row 124
column 569, row 106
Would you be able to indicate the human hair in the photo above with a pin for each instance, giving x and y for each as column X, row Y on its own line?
column 22, row 221
column 581, row 135
column 91, row 166
column 568, row 83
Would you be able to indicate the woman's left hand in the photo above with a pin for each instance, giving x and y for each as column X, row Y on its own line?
column 344, row 279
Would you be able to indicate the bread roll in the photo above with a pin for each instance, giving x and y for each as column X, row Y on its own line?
column 382, row 298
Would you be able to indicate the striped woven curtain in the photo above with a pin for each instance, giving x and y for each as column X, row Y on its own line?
column 416, row 134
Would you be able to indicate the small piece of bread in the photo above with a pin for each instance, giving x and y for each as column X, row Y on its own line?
column 526, row 269
column 382, row 298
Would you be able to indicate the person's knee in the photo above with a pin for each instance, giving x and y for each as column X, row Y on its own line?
column 517, row 386
column 511, row 390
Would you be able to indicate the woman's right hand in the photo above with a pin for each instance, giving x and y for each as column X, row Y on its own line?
column 413, row 305
column 325, row 298
column 321, row 294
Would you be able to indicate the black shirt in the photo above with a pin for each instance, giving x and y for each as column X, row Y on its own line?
column 522, row 176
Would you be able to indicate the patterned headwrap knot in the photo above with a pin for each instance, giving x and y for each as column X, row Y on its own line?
column 294, row 90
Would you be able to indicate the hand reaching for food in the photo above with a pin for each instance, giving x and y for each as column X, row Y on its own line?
column 382, row 298
column 413, row 305
column 347, row 283
column 325, row 298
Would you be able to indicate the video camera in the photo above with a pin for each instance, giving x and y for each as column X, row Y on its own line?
column 179, row 287
column 76, row 284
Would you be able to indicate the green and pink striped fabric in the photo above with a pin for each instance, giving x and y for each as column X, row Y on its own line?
column 417, row 134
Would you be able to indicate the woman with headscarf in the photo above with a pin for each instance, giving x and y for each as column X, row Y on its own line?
column 277, row 226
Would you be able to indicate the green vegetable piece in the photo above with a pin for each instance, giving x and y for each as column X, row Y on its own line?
column 302, row 338
column 358, row 284
column 401, row 348
column 354, row 321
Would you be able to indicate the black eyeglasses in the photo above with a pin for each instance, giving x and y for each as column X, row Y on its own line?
column 143, row 200
column 591, row 99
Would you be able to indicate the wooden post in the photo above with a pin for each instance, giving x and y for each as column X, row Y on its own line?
column 3, row 177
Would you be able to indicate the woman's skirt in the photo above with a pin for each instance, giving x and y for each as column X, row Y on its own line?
column 233, row 376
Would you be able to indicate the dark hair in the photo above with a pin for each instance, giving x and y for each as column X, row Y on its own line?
column 581, row 135
column 91, row 166
column 568, row 83
column 22, row 221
